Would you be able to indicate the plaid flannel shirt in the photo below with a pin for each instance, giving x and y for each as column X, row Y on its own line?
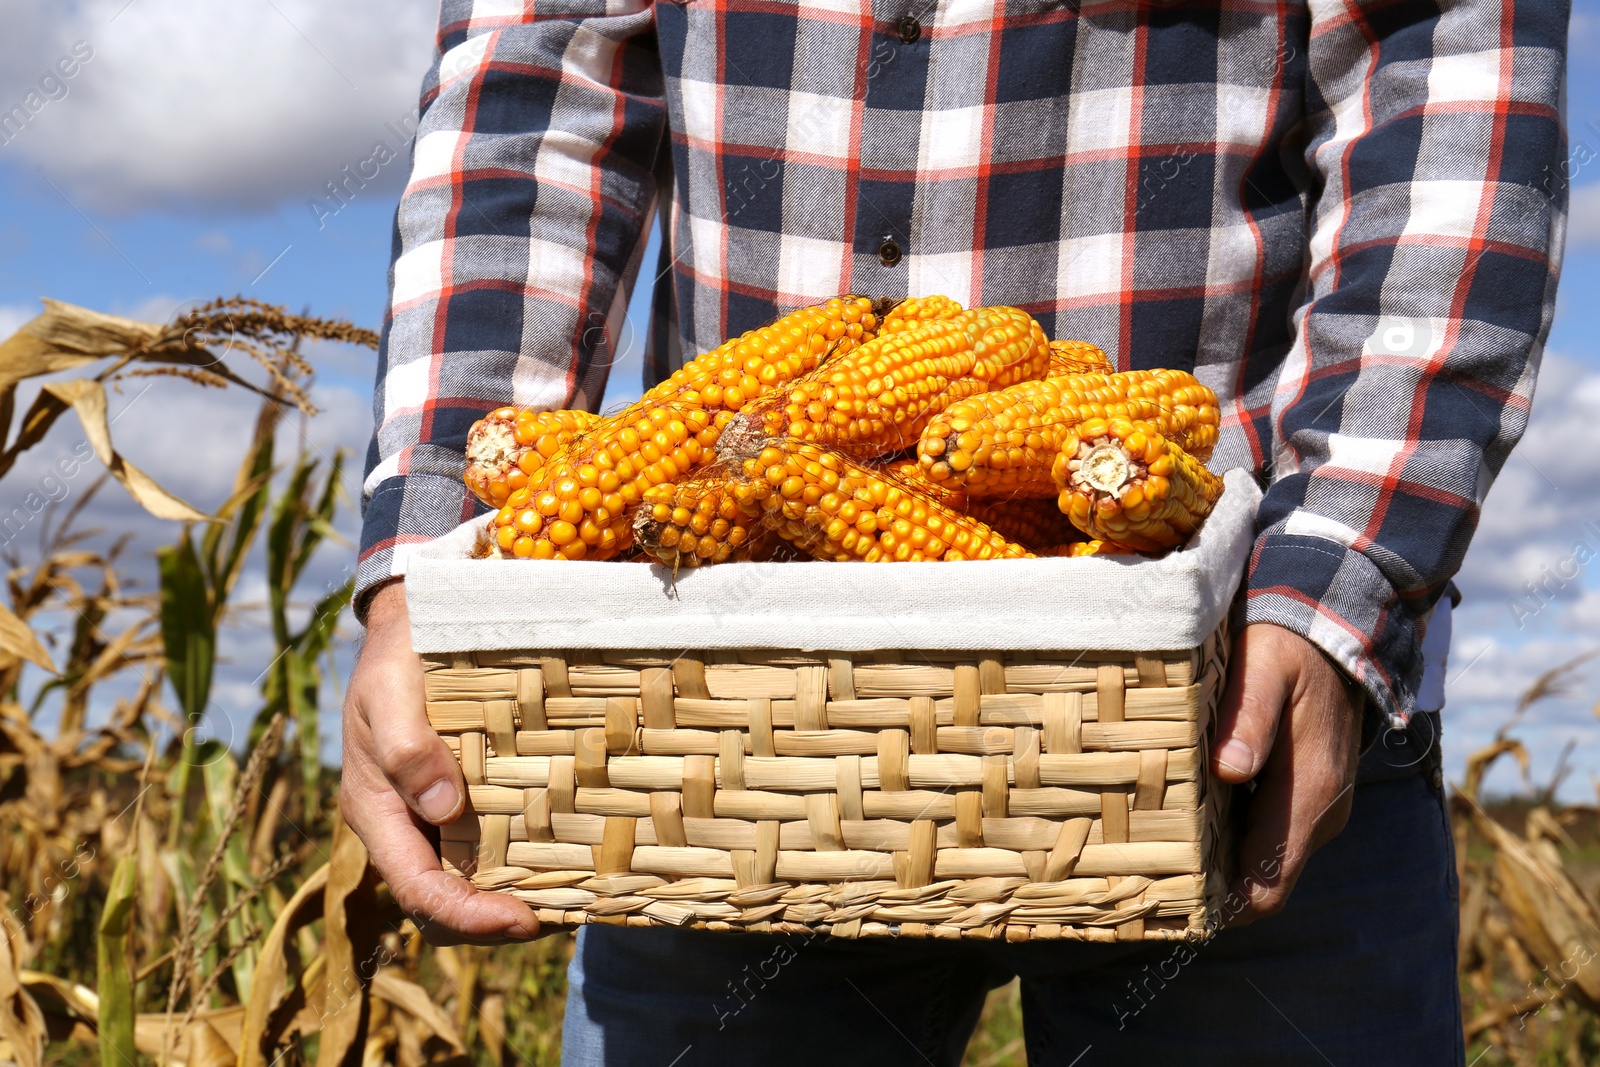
column 1338, row 214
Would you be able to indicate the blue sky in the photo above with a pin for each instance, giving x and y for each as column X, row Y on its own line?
column 189, row 155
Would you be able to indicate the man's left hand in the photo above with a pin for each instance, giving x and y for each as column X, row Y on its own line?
column 1289, row 720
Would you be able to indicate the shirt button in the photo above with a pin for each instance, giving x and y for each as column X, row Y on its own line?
column 909, row 29
column 888, row 252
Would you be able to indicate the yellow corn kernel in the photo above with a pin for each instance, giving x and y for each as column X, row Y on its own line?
column 593, row 484
column 1092, row 547
column 913, row 312
column 507, row 446
column 877, row 398
column 1032, row 521
column 696, row 520
column 1077, row 357
column 1122, row 481
column 1004, row 443
column 861, row 512
column 910, row 471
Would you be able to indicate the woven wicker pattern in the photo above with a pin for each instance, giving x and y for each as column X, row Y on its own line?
column 919, row 794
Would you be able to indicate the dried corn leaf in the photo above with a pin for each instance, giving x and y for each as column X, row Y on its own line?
column 1549, row 913
column 1478, row 764
column 57, row 996
column 88, row 399
column 18, row 639
column 415, row 1002
column 271, row 991
column 203, row 1046
column 492, row 1025
column 351, row 932
column 21, row 1022
column 70, row 1001
column 66, row 336
column 210, row 1040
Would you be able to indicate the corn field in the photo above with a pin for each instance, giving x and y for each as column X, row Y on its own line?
column 172, row 900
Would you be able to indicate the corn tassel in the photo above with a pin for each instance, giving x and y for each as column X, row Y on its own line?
column 1122, row 481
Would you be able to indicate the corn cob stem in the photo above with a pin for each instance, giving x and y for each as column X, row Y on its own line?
column 694, row 521
column 507, row 446
column 1122, row 481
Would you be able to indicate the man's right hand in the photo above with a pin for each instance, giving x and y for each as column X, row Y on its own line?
column 399, row 777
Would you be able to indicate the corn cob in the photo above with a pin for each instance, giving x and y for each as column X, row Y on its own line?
column 1077, row 357
column 1094, row 547
column 876, row 399
column 696, row 520
column 577, row 505
column 914, row 312
column 746, row 366
column 1122, row 481
column 910, row 472
column 1032, row 521
column 1004, row 443
column 506, row 447
column 836, row 508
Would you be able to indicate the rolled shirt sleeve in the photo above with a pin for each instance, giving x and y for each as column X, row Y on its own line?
column 1434, row 247
column 517, row 238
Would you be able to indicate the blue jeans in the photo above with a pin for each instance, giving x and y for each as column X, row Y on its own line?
column 1358, row 969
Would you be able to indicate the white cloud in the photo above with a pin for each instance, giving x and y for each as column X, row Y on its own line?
column 1546, row 493
column 216, row 241
column 1583, row 32
column 1537, row 509
column 1583, row 217
column 1489, row 674
column 194, row 105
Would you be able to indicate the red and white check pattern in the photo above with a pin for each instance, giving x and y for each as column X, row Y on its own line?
column 1334, row 213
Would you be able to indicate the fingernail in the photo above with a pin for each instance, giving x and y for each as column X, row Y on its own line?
column 438, row 801
column 528, row 928
column 1236, row 756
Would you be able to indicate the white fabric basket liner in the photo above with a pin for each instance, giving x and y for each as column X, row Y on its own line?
column 1104, row 603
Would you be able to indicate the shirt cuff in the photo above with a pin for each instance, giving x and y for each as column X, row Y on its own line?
column 1338, row 599
column 399, row 515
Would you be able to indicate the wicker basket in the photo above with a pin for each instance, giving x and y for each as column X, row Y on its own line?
column 945, row 791
column 1015, row 795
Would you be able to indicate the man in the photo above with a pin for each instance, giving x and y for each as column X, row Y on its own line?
column 1337, row 214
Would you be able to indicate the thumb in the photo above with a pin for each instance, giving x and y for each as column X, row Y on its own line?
column 417, row 762
column 1252, row 704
